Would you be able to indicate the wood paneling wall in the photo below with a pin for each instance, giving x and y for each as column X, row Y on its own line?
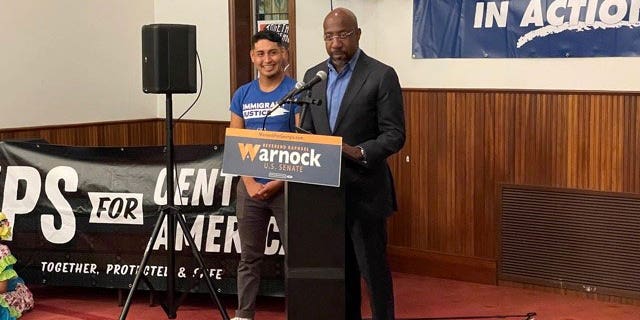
column 462, row 145
column 147, row 132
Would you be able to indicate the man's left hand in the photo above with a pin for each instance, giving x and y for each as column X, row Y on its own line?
column 352, row 152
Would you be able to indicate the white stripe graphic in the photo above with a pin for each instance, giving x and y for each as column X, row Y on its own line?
column 580, row 27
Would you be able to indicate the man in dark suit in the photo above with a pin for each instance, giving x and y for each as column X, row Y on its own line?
column 362, row 103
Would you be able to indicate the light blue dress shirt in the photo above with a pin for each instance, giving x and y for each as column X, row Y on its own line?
column 336, row 87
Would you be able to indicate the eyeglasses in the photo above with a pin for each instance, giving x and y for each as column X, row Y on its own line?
column 340, row 36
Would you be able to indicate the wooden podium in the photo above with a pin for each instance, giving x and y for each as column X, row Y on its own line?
column 314, row 262
column 314, row 216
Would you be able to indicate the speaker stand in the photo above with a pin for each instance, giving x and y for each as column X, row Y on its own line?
column 172, row 215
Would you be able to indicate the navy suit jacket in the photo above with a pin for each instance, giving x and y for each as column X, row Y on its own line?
column 371, row 116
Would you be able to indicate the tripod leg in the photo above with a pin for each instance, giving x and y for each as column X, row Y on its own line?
column 198, row 256
column 143, row 264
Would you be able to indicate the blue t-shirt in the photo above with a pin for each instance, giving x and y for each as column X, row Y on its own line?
column 252, row 104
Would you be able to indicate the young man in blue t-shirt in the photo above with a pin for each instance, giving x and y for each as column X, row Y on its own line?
column 259, row 199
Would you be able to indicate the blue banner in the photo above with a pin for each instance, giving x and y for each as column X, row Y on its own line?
column 525, row 28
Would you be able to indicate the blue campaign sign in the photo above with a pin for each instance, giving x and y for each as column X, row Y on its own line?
column 526, row 28
column 305, row 158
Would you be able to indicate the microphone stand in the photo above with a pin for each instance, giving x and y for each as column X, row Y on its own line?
column 172, row 216
column 304, row 103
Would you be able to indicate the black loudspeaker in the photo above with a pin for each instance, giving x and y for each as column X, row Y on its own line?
column 169, row 58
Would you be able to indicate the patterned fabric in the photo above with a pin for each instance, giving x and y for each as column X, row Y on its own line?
column 17, row 298
column 5, row 227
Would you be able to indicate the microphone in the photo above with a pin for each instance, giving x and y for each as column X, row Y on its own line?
column 299, row 87
column 288, row 96
column 320, row 76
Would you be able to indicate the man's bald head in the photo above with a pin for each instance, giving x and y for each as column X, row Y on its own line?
column 344, row 15
column 341, row 36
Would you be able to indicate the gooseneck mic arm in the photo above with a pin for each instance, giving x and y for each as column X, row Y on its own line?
column 282, row 101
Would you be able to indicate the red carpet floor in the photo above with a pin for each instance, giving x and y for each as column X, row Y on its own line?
column 416, row 297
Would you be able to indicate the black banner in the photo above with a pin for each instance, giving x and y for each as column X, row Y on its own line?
column 83, row 216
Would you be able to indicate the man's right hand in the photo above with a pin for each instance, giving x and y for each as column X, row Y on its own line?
column 252, row 187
